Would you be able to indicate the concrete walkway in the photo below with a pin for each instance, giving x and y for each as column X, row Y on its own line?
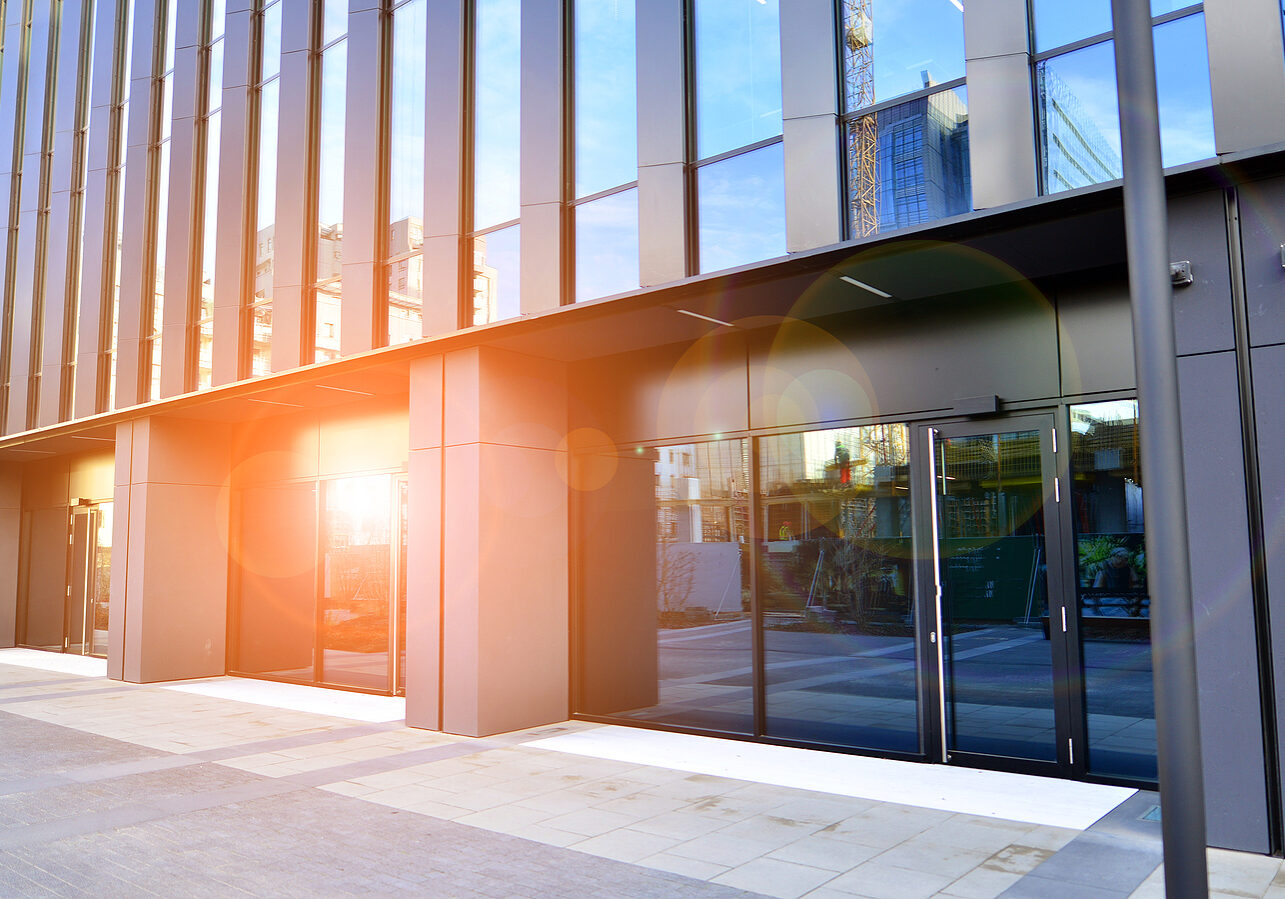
column 234, row 787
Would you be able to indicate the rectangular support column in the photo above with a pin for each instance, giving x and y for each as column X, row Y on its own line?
column 810, row 111
column 170, row 561
column 1246, row 73
column 505, row 643
column 541, row 155
column 424, row 533
column 662, row 148
column 1001, row 117
column 443, row 155
column 364, row 323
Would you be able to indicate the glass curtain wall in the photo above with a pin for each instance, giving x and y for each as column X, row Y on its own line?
column 327, row 285
column 494, row 236
column 405, row 200
column 11, row 220
column 154, row 304
column 740, row 163
column 605, row 200
column 1076, row 103
column 258, row 321
column 212, row 60
column 116, row 193
column 905, row 124
column 835, row 587
column 76, row 229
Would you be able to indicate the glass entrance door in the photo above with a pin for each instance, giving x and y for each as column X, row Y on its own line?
column 1004, row 646
column 89, row 580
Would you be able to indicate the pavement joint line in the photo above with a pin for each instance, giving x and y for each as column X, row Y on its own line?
column 39, row 683
column 68, row 694
column 383, row 764
column 295, row 741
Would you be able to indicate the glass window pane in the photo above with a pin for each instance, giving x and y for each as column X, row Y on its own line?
column 406, row 175
column 909, row 164
column 328, row 287
column 836, row 588
column 1182, row 88
column 214, row 99
column 496, row 122
column 1057, row 22
column 356, row 574
column 900, row 46
column 496, row 290
column 334, row 20
column 218, row 16
column 667, row 634
column 606, row 111
column 1078, row 118
column 607, row 245
column 1111, row 586
column 738, row 73
column 266, row 209
column 271, row 41
column 742, row 209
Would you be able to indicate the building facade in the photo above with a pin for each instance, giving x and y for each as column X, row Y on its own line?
column 754, row 368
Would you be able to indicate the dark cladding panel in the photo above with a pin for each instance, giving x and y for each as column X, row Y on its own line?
column 617, row 668
column 906, row 357
column 1269, row 405
column 1262, row 236
column 1230, row 717
column 1095, row 336
column 1202, row 309
column 672, row 391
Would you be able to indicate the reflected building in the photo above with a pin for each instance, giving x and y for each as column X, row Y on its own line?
column 1073, row 152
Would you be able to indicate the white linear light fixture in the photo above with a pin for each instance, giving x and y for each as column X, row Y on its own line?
column 864, row 286
column 717, row 321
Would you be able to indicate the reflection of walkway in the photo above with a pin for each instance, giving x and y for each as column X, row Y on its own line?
column 817, row 682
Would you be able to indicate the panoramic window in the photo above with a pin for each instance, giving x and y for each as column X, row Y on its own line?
column 154, row 311
column 495, row 238
column 1075, row 88
column 405, row 257
column 740, row 167
column 328, row 259
column 1111, row 589
column 259, row 319
column 213, row 60
column 906, row 122
column 605, row 201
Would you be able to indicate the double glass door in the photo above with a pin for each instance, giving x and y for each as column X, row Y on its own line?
column 1042, row 648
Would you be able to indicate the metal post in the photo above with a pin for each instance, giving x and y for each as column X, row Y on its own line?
column 1173, row 649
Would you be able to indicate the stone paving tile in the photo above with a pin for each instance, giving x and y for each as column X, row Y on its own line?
column 773, row 877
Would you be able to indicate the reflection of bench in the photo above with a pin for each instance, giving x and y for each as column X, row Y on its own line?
column 1120, row 611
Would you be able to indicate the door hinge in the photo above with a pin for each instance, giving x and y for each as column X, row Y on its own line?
column 1064, row 619
column 1057, row 490
column 68, row 590
column 1053, row 431
column 1070, row 750
column 932, row 636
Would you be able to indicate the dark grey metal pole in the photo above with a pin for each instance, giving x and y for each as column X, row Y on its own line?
column 1173, row 649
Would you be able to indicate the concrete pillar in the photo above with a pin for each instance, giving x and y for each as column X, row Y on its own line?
column 1247, row 73
column 443, row 140
column 1001, row 116
column 662, row 142
column 10, row 529
column 810, row 109
column 541, row 163
column 187, row 170
column 169, row 551
column 501, row 556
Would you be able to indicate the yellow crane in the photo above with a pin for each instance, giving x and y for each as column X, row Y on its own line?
column 863, row 134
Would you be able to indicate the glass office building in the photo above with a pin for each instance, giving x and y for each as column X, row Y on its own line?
column 745, row 368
